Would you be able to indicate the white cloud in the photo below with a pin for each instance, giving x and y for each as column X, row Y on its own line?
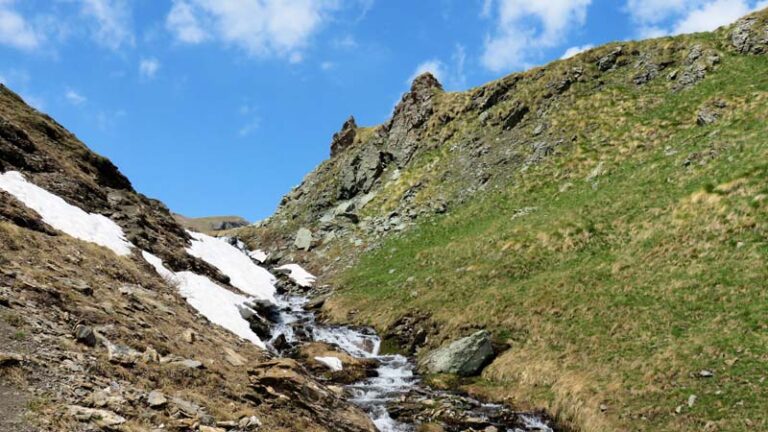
column 259, row 27
column 252, row 126
column 148, row 67
column 74, row 97
column 15, row 31
column 111, row 22
column 327, row 65
column 450, row 74
column 576, row 50
column 183, row 23
column 655, row 18
column 712, row 16
column 434, row 66
column 524, row 27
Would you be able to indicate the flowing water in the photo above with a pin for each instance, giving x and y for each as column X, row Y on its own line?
column 395, row 378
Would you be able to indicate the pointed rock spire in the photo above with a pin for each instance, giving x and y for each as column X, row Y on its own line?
column 345, row 137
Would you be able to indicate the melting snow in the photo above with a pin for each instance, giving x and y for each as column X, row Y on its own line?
column 299, row 275
column 56, row 212
column 259, row 255
column 333, row 363
column 243, row 273
column 214, row 302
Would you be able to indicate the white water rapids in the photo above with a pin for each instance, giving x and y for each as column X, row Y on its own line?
column 395, row 374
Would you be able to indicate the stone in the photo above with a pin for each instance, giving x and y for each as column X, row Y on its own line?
column 156, row 399
column 122, row 354
column 234, row 358
column 150, row 356
column 706, row 374
column 303, row 239
column 345, row 137
column 189, row 336
column 101, row 418
column 258, row 324
column 464, row 357
column 204, row 428
column 285, row 381
column 85, row 335
column 707, row 116
column 608, row 61
column 249, row 423
column 10, row 359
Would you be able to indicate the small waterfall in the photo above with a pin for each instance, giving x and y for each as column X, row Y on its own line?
column 396, row 375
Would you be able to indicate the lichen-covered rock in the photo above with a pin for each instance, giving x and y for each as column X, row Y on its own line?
column 749, row 35
column 464, row 357
column 344, row 138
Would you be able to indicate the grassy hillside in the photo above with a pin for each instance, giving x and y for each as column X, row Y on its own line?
column 618, row 269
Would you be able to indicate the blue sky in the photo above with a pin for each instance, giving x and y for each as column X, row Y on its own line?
column 221, row 106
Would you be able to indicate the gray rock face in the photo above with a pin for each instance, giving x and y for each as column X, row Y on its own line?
column 464, row 357
column 303, row 239
column 750, row 36
column 345, row 137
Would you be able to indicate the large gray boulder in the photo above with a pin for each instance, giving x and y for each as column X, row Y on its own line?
column 303, row 239
column 464, row 357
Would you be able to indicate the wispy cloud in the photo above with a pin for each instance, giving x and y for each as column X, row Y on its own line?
column 654, row 18
column 74, row 98
column 148, row 67
column 110, row 22
column 15, row 30
column 261, row 28
column 576, row 50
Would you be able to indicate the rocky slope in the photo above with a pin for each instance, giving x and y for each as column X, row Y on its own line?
column 96, row 339
column 210, row 224
column 577, row 211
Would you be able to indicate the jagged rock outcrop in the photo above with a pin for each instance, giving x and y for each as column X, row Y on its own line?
column 750, row 35
column 344, row 138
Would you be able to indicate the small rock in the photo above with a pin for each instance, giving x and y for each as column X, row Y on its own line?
column 122, row 354
column 189, row 336
column 10, row 359
column 691, row 400
column 156, row 399
column 211, row 429
column 234, row 358
column 249, row 423
column 706, row 374
column 102, row 418
column 150, row 356
column 85, row 335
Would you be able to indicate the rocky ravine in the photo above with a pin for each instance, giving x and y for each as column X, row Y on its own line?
column 95, row 340
column 114, row 317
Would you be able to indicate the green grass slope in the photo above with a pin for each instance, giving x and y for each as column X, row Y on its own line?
column 617, row 269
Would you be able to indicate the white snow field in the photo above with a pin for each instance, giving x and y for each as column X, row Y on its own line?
column 56, row 212
column 214, row 302
column 243, row 273
column 299, row 275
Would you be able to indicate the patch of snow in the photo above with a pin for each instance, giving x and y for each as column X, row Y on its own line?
column 72, row 220
column 333, row 363
column 243, row 273
column 259, row 255
column 299, row 275
column 214, row 302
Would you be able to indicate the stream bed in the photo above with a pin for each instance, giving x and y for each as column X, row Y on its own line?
column 394, row 398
